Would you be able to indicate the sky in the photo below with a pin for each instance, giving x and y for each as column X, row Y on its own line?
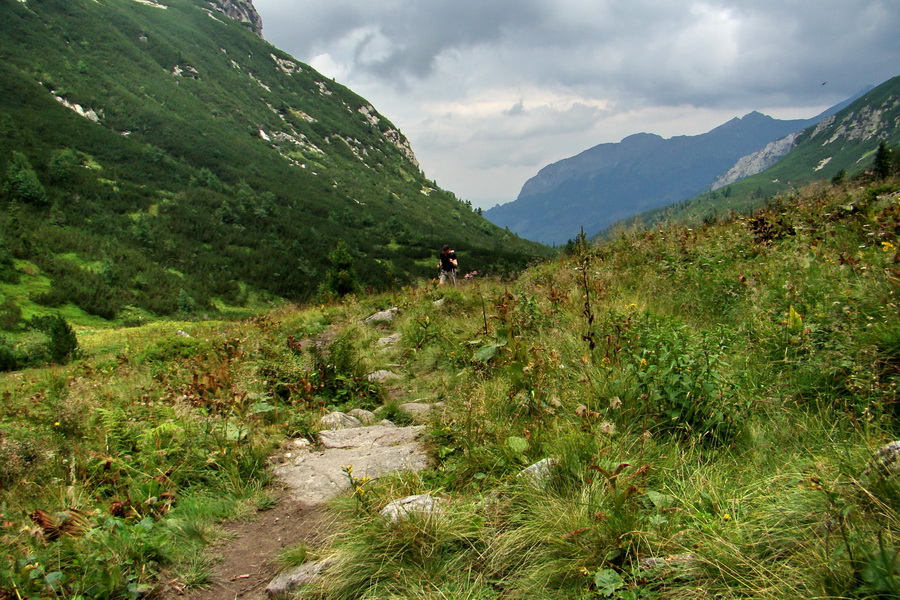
column 488, row 92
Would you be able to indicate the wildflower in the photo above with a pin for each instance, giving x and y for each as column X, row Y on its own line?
column 607, row 428
column 56, row 424
column 615, row 403
column 888, row 247
column 726, row 517
column 643, row 363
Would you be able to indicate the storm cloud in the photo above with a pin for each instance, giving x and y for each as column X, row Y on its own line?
column 490, row 92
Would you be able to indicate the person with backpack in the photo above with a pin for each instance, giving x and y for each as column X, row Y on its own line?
column 448, row 265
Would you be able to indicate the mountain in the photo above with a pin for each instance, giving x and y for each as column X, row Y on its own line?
column 842, row 144
column 159, row 155
column 610, row 182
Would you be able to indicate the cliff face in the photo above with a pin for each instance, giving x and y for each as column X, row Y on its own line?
column 240, row 10
column 757, row 162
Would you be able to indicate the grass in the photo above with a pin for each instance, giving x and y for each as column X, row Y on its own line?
column 711, row 399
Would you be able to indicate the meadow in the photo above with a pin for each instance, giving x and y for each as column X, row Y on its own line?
column 711, row 399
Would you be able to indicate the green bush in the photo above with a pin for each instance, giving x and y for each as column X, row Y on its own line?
column 62, row 344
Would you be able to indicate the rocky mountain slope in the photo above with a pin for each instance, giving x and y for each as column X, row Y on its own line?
column 610, row 182
column 840, row 145
column 160, row 155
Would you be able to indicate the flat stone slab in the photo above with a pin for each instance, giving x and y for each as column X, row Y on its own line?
column 314, row 476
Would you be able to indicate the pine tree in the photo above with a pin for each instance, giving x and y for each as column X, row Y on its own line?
column 341, row 279
column 882, row 165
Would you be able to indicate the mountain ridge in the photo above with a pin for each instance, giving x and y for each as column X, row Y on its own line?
column 609, row 182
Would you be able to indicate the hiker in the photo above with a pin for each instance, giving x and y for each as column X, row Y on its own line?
column 448, row 266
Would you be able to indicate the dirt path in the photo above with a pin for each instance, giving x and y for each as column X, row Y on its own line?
column 247, row 556
column 310, row 477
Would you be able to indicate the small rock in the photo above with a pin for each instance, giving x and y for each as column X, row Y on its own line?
column 386, row 423
column 366, row 417
column 416, row 409
column 385, row 316
column 538, row 474
column 339, row 420
column 679, row 567
column 390, row 340
column 404, row 508
column 305, row 574
column 886, row 460
column 301, row 443
column 439, row 303
column 382, row 375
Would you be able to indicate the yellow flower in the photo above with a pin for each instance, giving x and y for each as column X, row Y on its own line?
column 726, row 517
column 888, row 247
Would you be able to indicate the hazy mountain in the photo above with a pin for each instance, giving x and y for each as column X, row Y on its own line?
column 842, row 142
column 610, row 182
column 157, row 149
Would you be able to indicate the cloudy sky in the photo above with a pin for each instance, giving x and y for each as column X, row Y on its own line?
column 491, row 91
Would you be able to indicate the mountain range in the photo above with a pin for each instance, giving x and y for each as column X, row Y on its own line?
column 611, row 182
column 158, row 155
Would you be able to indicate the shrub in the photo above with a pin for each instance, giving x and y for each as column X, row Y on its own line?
column 22, row 183
column 63, row 343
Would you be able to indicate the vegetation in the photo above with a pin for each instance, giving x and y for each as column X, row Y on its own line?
column 711, row 399
column 159, row 162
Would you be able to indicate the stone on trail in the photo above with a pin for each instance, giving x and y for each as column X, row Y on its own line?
column 417, row 410
column 314, row 476
column 391, row 340
column 305, row 574
column 404, row 508
column 382, row 375
column 385, row 316
column 366, row 417
column 339, row 420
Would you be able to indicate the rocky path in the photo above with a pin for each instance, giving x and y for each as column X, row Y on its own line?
column 309, row 475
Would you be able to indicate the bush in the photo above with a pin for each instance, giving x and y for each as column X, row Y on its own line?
column 63, row 343
column 22, row 183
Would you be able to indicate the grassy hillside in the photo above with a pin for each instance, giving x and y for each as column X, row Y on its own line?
column 161, row 157
column 711, row 398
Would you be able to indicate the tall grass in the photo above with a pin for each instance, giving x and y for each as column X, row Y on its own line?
column 710, row 400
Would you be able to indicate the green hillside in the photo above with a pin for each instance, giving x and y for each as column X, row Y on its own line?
column 160, row 157
column 841, row 146
column 710, row 400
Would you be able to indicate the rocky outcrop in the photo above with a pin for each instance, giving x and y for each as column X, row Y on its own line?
column 757, row 162
column 240, row 10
